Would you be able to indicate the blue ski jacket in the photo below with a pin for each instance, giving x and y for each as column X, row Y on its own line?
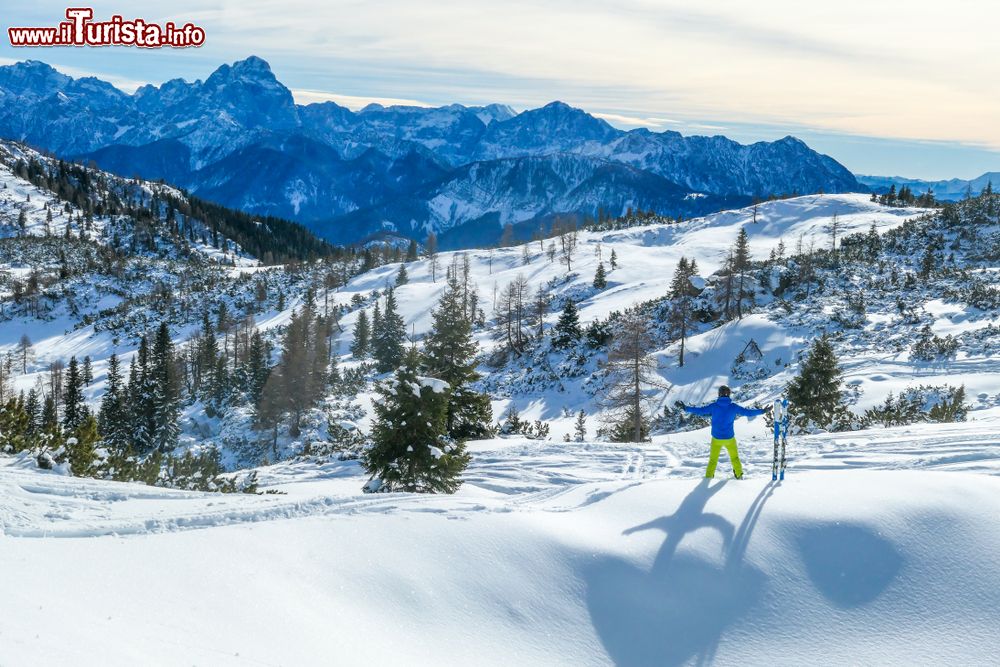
column 723, row 413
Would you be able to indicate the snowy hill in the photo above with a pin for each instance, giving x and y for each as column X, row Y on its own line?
column 618, row 562
column 878, row 547
column 238, row 138
column 646, row 256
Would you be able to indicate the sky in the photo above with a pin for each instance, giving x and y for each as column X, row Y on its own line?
column 888, row 87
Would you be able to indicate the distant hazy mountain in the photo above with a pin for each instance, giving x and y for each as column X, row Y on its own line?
column 950, row 190
column 239, row 138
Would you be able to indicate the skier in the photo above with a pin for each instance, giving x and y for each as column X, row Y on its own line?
column 723, row 413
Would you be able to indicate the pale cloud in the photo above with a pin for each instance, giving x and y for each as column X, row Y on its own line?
column 353, row 102
column 891, row 68
column 637, row 121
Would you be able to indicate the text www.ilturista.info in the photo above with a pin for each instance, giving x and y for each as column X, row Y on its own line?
column 80, row 30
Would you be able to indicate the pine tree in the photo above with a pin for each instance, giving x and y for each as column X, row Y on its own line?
column 336, row 378
column 166, row 391
column 614, row 259
column 257, row 366
column 15, row 428
column 816, row 394
column 411, row 450
column 81, row 447
column 449, row 355
column 377, row 327
column 873, row 243
column 112, row 420
column 402, row 277
column 411, row 252
column 567, row 329
column 206, row 356
column 218, row 391
column 741, row 264
column 580, row 427
column 88, row 371
column 74, row 409
column 388, row 344
column 600, row 279
column 362, row 335
column 682, row 293
column 50, row 415
column 6, row 373
column 631, row 425
column 33, row 411
column 140, row 393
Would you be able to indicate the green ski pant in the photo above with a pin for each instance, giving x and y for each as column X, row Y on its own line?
column 713, row 459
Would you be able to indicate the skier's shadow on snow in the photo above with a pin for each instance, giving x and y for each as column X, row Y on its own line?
column 680, row 608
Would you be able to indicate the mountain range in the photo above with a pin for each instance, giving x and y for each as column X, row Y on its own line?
column 464, row 172
column 952, row 189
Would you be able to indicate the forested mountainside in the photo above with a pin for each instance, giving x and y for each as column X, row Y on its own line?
column 142, row 342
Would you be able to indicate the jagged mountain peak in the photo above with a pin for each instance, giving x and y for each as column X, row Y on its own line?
column 32, row 77
column 789, row 140
column 252, row 71
column 252, row 65
column 494, row 113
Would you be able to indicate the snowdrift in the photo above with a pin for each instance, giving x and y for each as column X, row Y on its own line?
column 841, row 567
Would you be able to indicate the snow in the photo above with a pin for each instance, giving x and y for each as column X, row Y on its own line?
column 15, row 194
column 435, row 385
column 879, row 548
column 647, row 255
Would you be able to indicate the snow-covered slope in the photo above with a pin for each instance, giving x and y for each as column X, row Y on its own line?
column 646, row 257
column 879, row 548
column 552, row 553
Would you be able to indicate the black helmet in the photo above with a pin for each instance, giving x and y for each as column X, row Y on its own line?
column 724, row 391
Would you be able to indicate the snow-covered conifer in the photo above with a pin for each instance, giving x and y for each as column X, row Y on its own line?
column 411, row 449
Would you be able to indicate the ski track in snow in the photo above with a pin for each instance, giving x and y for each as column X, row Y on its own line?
column 506, row 475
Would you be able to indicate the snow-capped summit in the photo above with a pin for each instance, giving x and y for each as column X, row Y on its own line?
column 32, row 79
column 555, row 127
column 252, row 66
column 494, row 113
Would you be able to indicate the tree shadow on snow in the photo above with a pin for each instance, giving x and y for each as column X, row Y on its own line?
column 680, row 608
column 849, row 564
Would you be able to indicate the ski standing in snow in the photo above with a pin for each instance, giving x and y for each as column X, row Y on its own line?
column 780, row 415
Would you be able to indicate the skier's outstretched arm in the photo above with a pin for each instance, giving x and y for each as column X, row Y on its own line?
column 749, row 412
column 703, row 410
